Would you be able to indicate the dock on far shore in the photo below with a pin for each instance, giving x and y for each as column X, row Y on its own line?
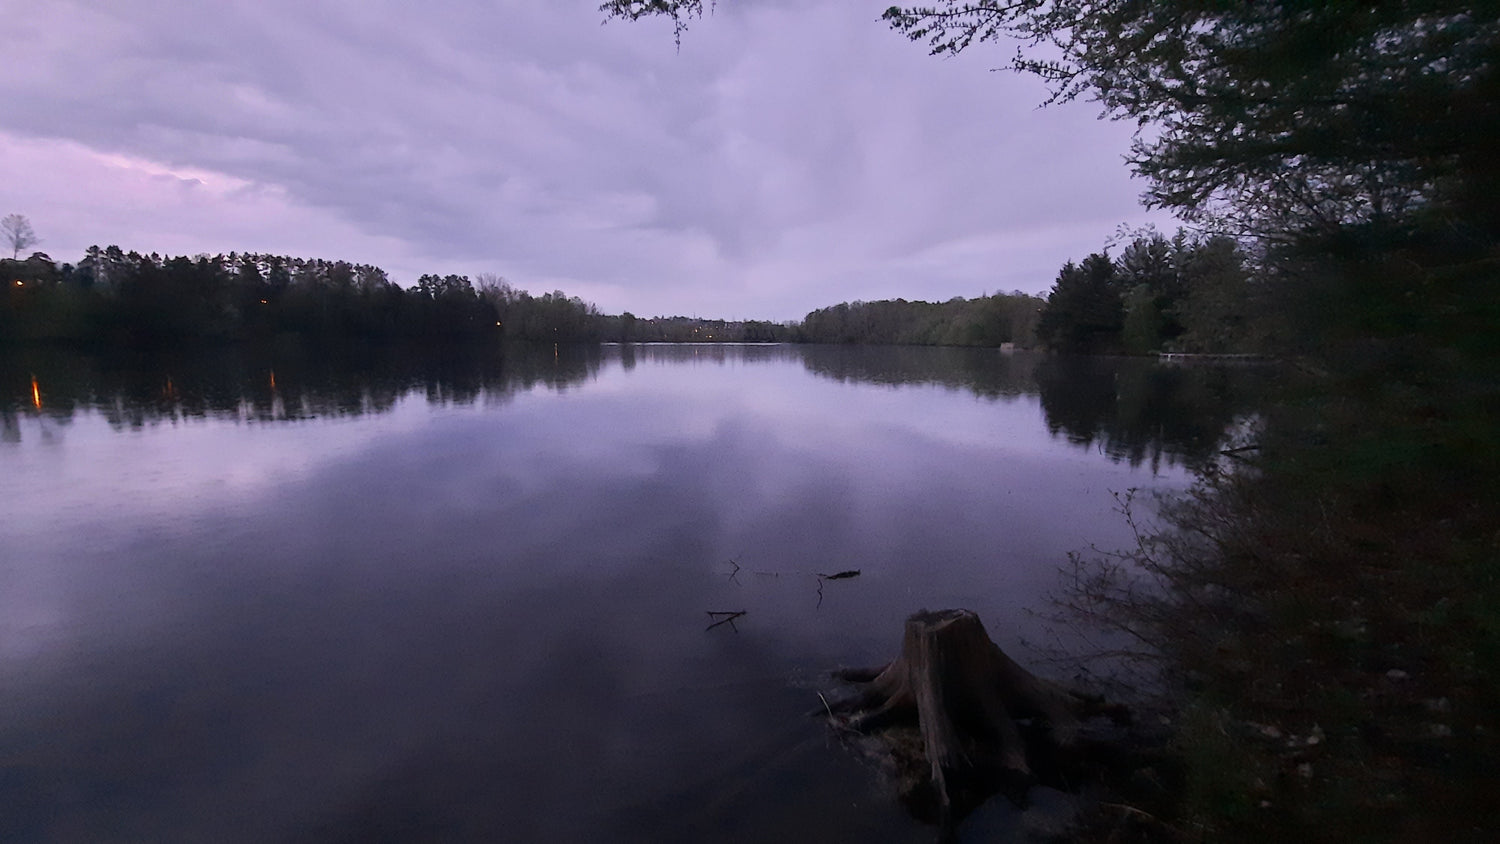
column 1185, row 357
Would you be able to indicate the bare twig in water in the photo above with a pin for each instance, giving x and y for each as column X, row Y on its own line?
column 736, row 573
column 718, row 617
column 1237, row 451
column 838, row 575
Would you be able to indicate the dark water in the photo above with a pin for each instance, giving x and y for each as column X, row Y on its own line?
column 303, row 596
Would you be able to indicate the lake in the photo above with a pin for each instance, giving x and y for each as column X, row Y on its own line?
column 293, row 594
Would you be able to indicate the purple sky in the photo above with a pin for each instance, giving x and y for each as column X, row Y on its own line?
column 793, row 154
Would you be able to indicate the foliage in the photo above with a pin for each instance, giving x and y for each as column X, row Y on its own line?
column 680, row 11
column 129, row 299
column 552, row 317
column 986, row 321
column 1192, row 294
column 1222, row 309
column 1340, row 636
column 628, row 328
column 1154, row 286
column 1084, row 311
column 1270, row 116
column 18, row 233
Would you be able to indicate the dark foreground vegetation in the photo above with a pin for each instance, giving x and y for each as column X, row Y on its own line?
column 1324, row 607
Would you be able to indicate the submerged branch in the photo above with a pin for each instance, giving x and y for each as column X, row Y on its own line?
column 720, row 617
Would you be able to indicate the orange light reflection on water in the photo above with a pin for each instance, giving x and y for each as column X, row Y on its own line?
column 36, row 394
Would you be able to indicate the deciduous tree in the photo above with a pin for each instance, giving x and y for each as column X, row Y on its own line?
column 18, row 233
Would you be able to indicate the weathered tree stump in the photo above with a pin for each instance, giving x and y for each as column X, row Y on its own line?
column 965, row 697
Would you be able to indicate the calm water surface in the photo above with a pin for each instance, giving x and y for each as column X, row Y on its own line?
column 282, row 596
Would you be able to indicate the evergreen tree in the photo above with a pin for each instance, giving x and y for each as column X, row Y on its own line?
column 1084, row 311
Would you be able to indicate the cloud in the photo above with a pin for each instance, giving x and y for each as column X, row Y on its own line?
column 787, row 157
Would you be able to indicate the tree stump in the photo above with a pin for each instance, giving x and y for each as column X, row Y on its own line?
column 965, row 697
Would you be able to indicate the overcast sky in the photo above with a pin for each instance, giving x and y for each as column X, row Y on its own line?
column 793, row 154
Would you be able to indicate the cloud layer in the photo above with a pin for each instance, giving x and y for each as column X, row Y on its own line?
column 789, row 156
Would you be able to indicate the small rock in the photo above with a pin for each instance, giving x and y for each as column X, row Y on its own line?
column 1305, row 770
column 1271, row 731
column 1437, row 705
column 1440, row 731
column 1396, row 675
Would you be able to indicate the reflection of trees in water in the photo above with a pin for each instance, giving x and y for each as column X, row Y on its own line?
column 1138, row 410
column 985, row 372
column 280, row 383
column 632, row 354
column 1131, row 409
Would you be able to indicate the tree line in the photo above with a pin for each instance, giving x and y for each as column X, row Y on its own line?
column 993, row 321
column 113, row 297
column 1184, row 294
column 996, row 320
column 628, row 328
column 1188, row 293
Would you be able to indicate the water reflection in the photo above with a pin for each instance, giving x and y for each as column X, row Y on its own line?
column 704, row 353
column 1142, row 411
column 286, row 382
column 457, row 620
column 1131, row 410
column 984, row 372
